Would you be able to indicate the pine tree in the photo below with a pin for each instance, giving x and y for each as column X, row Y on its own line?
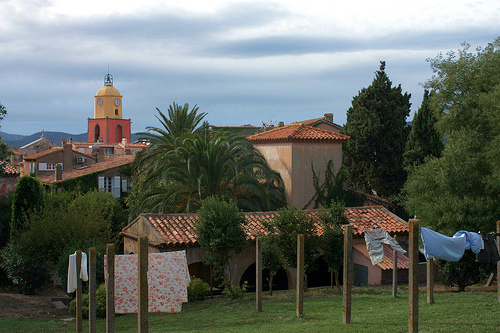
column 376, row 123
column 424, row 139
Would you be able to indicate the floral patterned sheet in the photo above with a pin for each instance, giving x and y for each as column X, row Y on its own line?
column 168, row 278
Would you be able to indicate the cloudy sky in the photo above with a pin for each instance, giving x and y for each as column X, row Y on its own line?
column 242, row 62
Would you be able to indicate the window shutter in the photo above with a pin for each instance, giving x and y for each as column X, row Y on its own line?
column 116, row 186
column 42, row 166
column 101, row 184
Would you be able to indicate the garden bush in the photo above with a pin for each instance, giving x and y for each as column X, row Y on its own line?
column 197, row 289
column 239, row 291
column 100, row 304
column 27, row 270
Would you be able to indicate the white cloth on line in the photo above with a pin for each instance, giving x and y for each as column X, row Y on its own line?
column 72, row 279
column 374, row 244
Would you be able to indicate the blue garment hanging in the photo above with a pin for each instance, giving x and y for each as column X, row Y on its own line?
column 437, row 245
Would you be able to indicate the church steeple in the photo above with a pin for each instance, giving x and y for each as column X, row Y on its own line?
column 108, row 101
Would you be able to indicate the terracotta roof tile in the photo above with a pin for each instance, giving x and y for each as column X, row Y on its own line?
column 178, row 229
column 297, row 132
column 110, row 163
column 403, row 260
column 8, row 170
column 44, row 153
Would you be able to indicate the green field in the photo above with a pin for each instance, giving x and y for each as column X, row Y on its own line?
column 373, row 310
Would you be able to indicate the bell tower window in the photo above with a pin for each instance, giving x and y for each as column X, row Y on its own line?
column 119, row 133
column 97, row 132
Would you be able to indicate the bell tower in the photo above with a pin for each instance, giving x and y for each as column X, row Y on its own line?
column 108, row 125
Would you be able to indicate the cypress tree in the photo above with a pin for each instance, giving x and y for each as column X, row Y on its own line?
column 376, row 123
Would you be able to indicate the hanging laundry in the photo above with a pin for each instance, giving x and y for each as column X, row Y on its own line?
column 72, row 278
column 473, row 240
column 374, row 243
column 490, row 252
column 168, row 278
column 437, row 245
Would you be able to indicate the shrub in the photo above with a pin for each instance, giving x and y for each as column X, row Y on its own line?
column 28, row 272
column 100, row 304
column 239, row 291
column 197, row 289
column 462, row 273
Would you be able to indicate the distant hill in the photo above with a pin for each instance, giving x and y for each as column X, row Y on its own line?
column 17, row 140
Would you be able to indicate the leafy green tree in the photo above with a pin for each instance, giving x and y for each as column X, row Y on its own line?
column 332, row 241
column 460, row 189
column 270, row 258
column 175, row 177
column 27, row 197
column 283, row 230
column 219, row 229
column 424, row 139
column 4, row 149
column 463, row 273
column 332, row 188
column 376, row 121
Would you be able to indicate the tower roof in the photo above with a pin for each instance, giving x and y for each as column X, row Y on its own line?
column 108, row 91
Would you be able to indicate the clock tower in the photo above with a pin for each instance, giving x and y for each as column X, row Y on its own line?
column 108, row 125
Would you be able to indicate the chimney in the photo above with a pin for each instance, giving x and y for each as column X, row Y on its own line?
column 281, row 124
column 58, row 171
column 67, row 155
column 329, row 117
column 124, row 141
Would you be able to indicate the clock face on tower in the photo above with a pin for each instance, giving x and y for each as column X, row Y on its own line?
column 99, row 101
column 117, row 102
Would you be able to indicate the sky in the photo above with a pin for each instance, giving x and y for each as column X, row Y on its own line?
column 242, row 62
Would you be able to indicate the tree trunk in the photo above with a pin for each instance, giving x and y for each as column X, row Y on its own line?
column 331, row 279
column 270, row 280
column 337, row 279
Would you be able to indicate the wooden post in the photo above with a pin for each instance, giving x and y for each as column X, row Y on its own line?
column 395, row 270
column 78, row 291
column 258, row 273
column 143, row 285
column 498, row 263
column 430, row 281
column 300, row 275
column 92, row 290
column 110, row 288
column 348, row 273
column 413, row 277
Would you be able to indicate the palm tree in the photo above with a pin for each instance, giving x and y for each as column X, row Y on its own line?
column 184, row 165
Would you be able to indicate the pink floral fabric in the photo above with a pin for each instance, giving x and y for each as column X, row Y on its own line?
column 168, row 278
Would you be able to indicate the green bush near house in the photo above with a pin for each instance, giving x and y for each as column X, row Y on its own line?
column 100, row 304
column 197, row 289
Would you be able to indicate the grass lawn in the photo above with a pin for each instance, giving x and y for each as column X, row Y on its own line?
column 373, row 310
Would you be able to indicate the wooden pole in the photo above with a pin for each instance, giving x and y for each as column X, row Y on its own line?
column 110, row 288
column 395, row 270
column 498, row 263
column 430, row 281
column 348, row 273
column 78, row 291
column 413, row 277
column 258, row 273
column 143, row 285
column 300, row 276
column 92, row 290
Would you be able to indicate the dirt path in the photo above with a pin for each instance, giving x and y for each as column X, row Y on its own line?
column 14, row 305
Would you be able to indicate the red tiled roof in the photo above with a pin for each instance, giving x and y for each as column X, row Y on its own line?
column 43, row 153
column 8, row 169
column 403, row 260
column 297, row 132
column 178, row 229
column 101, row 166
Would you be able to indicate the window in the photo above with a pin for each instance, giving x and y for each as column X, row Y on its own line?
column 110, row 184
column 47, row 166
column 119, row 133
column 97, row 132
column 109, row 150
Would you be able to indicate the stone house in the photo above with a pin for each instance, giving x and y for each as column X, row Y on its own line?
column 105, row 175
column 172, row 232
